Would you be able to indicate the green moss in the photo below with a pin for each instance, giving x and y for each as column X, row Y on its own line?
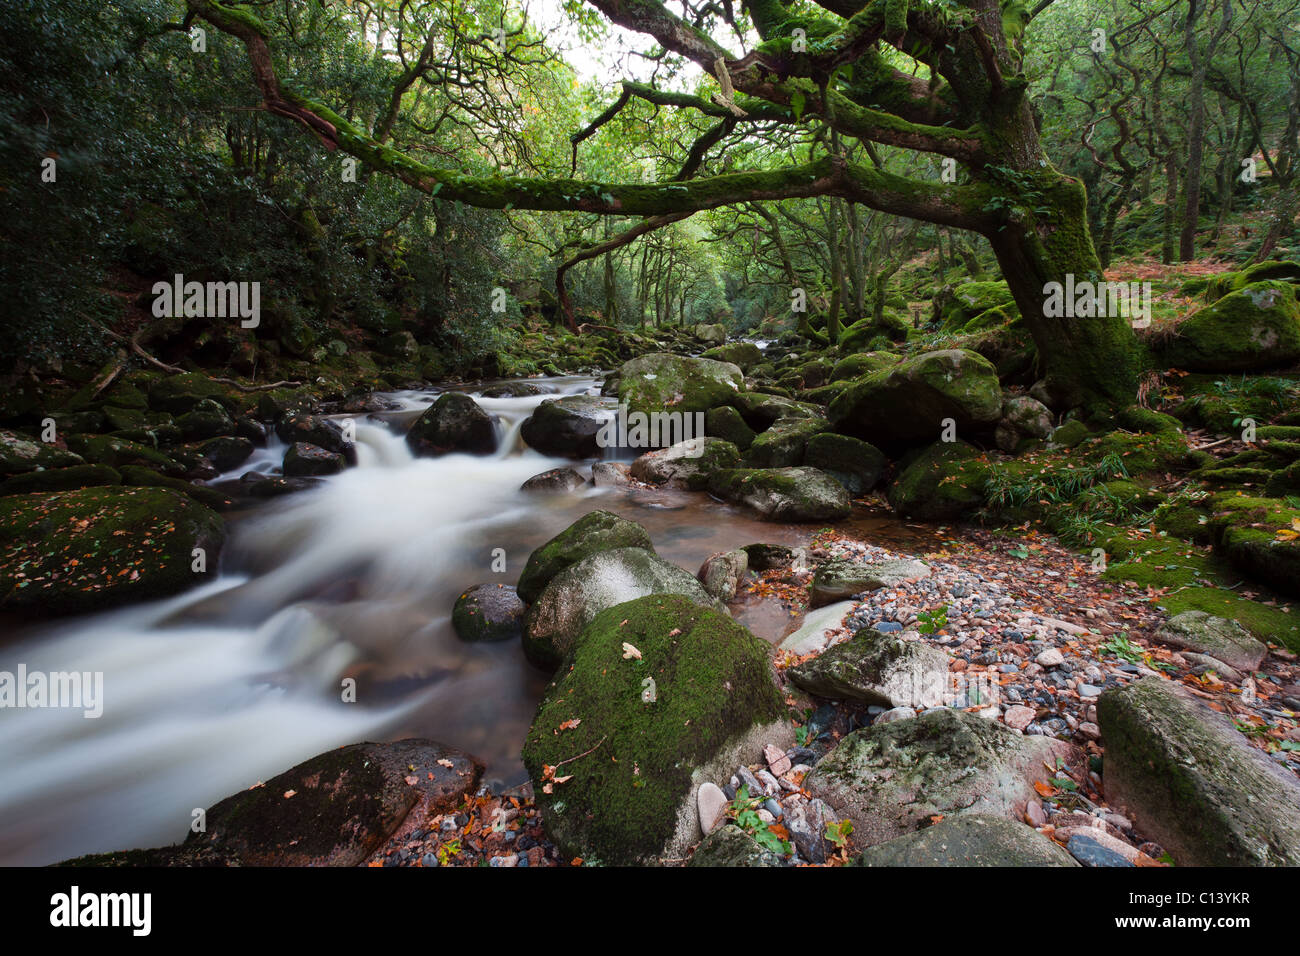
column 630, row 761
column 594, row 531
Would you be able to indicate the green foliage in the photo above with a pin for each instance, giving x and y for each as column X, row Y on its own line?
column 933, row 620
column 744, row 810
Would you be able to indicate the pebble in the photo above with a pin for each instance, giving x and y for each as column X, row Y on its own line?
column 712, row 804
column 1018, row 717
column 1050, row 658
column 1089, row 851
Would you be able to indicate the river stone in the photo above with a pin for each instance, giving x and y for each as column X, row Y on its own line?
column 557, row 480
column 344, row 804
column 1023, row 418
column 880, row 669
column 687, row 464
column 944, row 482
column 1217, row 637
column 207, row 419
column 817, row 630
column 94, row 548
column 890, row 779
column 512, row 390
column 784, row 494
column 227, row 452
column 711, row 333
column 722, row 573
column 610, row 474
column 454, row 423
column 838, row 579
column 855, row 464
column 968, row 839
column 308, row 461
column 908, row 403
column 179, row 393
column 566, row 427
column 488, row 612
column 312, row 429
column 712, row 806
column 744, row 354
column 660, row 382
column 594, row 531
column 783, row 444
column 631, row 739
column 731, row 847
column 599, row 581
column 51, row 480
column 1190, row 781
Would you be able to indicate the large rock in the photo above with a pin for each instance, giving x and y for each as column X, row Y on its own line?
column 721, row 574
column 687, row 464
column 968, row 839
column 1023, row 419
column 725, row 422
column 315, row 430
column 908, row 404
column 944, row 482
column 20, row 454
column 783, row 444
column 97, row 547
column 659, row 696
column 879, row 669
column 555, row 481
column 1192, row 783
column 332, row 810
column 838, row 579
column 454, row 423
column 577, row 594
column 711, row 333
column 743, row 354
column 784, row 494
column 488, row 612
column 1255, row 328
column 309, row 461
column 207, row 419
column 855, row 464
column 660, row 382
column 890, row 779
column 1218, row 637
column 567, row 427
column 594, row 531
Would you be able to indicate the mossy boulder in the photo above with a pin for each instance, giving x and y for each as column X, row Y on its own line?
column 858, row 364
column 227, row 452
column 866, row 333
column 1260, row 536
column 21, row 453
column 116, row 452
column 725, row 422
column 1252, row 329
column 488, row 612
column 660, row 382
column 93, row 548
column 178, row 394
column 207, row 419
column 784, row 494
column 782, row 444
column 743, row 354
column 1219, row 286
column 1069, row 434
column 711, row 333
column 454, row 423
column 567, row 427
column 1191, row 781
column 60, row 479
column 892, row 779
column 138, row 475
column 855, row 464
column 594, row 531
column 944, row 482
column 1024, row 420
column 299, row 426
column 1138, row 419
column 969, row 839
column 622, row 741
column 970, row 299
column 687, row 464
column 730, row 846
column 910, row 403
column 573, row 598
column 1218, row 637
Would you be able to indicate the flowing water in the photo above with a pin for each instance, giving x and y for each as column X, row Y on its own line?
column 210, row 692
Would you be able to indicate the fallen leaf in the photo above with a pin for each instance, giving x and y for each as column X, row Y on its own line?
column 630, row 652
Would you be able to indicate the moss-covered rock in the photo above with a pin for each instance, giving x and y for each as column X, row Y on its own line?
column 744, row 354
column 1191, row 781
column 911, row 402
column 784, row 494
column 89, row 549
column 567, row 427
column 782, row 445
column 725, row 422
column 879, row 669
column 855, row 464
column 971, row 299
column 858, row 364
column 116, row 452
column 139, row 476
column 1138, row 419
column 1218, row 286
column 1218, row 637
column 687, row 464
column 304, row 460
column 573, row 598
column 207, row 419
column 969, row 839
column 730, row 846
column 227, row 452
column 594, row 531
column 1069, row 434
column 1259, row 536
column 454, row 423
column 21, row 453
column 865, row 333
column 892, row 778
column 179, row 394
column 60, row 479
column 1252, row 329
column 622, row 741
column 660, row 382
column 944, row 482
